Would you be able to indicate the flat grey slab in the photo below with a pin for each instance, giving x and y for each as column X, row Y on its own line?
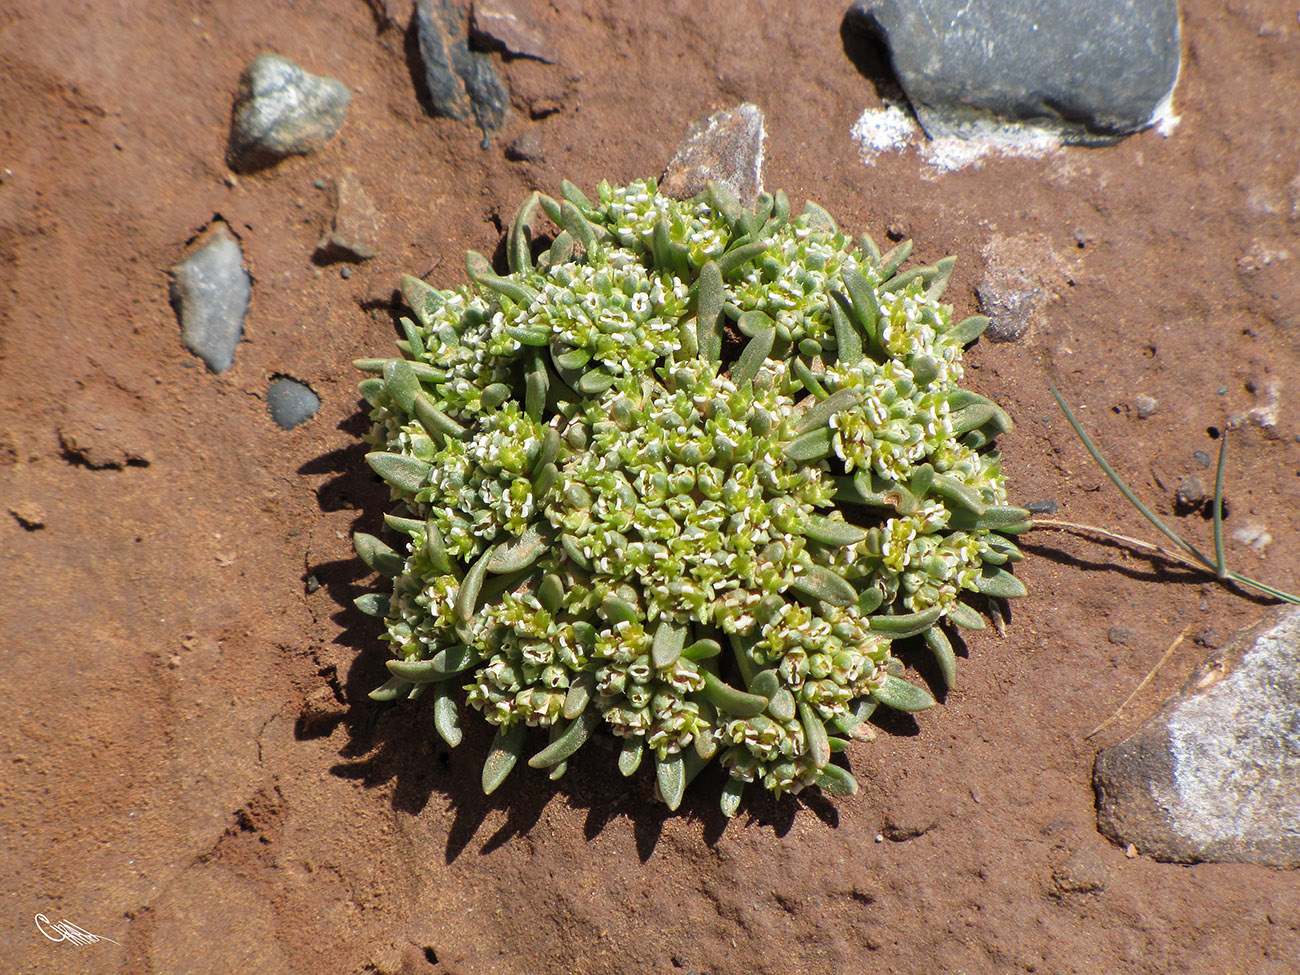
column 210, row 290
column 1215, row 776
column 282, row 110
column 1089, row 68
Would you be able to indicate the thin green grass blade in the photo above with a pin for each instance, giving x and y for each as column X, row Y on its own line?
column 1124, row 489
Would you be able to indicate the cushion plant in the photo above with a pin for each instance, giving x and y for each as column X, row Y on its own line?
column 685, row 476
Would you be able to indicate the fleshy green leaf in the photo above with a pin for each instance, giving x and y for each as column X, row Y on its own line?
column 568, row 742
column 506, row 747
column 898, row 694
column 400, row 470
column 377, row 555
column 671, row 776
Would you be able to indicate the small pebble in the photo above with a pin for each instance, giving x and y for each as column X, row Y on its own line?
column 1146, row 405
column 29, row 514
column 1202, row 458
column 345, row 272
column 210, row 290
column 291, row 402
column 526, row 147
column 1120, row 635
column 282, row 110
column 312, row 584
column 356, row 228
column 1042, row 507
column 1191, row 492
column 1023, row 275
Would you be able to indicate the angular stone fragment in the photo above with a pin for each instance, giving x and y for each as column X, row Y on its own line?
column 511, row 26
column 726, row 147
column 1092, row 69
column 210, row 290
column 461, row 82
column 1022, row 276
column 1215, row 776
column 282, row 110
column 356, row 228
column 291, row 402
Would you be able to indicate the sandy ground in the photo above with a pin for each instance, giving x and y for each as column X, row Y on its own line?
column 190, row 766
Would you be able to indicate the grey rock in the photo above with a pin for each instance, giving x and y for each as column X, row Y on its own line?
column 210, row 290
column 282, row 110
column 1146, row 406
column 1022, row 276
column 461, row 82
column 1045, row 507
column 1191, row 493
column 356, row 227
column 1215, row 775
column 291, row 402
column 511, row 26
column 1093, row 69
column 726, row 147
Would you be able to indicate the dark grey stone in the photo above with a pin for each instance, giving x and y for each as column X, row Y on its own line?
column 1047, row 507
column 210, row 290
column 1215, row 775
column 291, row 402
column 461, row 82
column 282, row 110
column 1091, row 68
column 726, row 147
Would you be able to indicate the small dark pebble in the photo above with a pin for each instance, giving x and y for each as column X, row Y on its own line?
column 291, row 402
column 1119, row 635
column 1042, row 507
column 313, row 584
column 345, row 272
column 1202, row 458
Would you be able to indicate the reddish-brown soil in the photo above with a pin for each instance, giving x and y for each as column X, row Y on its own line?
column 189, row 765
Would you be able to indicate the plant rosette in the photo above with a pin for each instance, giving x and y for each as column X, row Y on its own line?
column 684, row 475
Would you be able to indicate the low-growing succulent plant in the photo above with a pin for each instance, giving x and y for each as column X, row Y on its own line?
column 684, row 475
